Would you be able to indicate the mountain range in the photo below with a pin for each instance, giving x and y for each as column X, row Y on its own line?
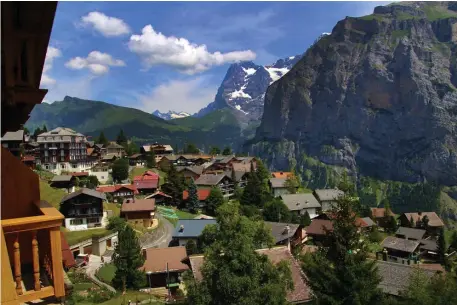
column 378, row 96
column 170, row 115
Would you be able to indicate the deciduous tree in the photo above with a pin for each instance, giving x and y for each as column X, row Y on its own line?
column 233, row 272
column 191, row 149
column 215, row 151
column 120, row 170
column 227, row 151
column 214, row 200
column 276, row 211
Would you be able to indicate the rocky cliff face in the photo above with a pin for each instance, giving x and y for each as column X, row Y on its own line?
column 377, row 96
column 244, row 86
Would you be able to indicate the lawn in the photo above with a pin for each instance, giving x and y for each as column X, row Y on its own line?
column 132, row 296
column 74, row 237
column 50, row 194
column 140, row 170
column 106, row 273
column 113, row 207
column 185, row 215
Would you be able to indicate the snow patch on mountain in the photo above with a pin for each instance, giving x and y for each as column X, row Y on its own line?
column 170, row 115
column 249, row 71
column 276, row 73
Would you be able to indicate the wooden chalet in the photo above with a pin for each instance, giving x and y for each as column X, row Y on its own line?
column 31, row 245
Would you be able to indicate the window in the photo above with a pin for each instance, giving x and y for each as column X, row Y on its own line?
column 75, row 222
column 74, row 165
column 93, row 220
column 62, row 165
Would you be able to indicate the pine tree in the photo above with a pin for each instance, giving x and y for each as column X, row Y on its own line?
column 44, row 129
column 150, row 159
column 340, row 272
column 391, row 224
column 121, row 138
column 276, row 211
column 305, row 220
column 214, row 201
column 191, row 247
column 191, row 149
column 102, row 139
column 411, row 223
column 215, row 151
column 227, row 151
column 128, row 258
column 37, row 132
column 252, row 193
column 174, row 185
column 192, row 201
column 442, row 247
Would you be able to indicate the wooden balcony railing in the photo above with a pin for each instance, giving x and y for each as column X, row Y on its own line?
column 31, row 249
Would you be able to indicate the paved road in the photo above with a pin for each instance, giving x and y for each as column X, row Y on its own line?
column 159, row 238
column 95, row 262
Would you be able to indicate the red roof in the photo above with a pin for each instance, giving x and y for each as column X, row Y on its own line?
column 67, row 255
column 138, row 205
column 146, row 184
column 317, row 227
column 202, row 194
column 114, row 188
column 147, row 175
column 81, row 174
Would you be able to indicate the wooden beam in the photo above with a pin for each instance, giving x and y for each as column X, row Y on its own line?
column 8, row 288
column 32, row 295
column 57, row 267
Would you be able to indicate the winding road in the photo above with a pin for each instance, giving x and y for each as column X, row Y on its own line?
column 159, row 238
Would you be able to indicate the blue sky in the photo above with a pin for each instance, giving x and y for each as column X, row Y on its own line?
column 174, row 55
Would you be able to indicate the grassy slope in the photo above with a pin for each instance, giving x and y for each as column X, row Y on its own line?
column 106, row 273
column 209, row 121
column 50, row 194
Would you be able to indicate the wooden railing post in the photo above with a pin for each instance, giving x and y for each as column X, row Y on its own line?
column 36, row 261
column 17, row 265
column 57, row 263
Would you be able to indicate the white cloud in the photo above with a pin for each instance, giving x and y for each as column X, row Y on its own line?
column 178, row 95
column 51, row 54
column 107, row 26
column 80, row 87
column 97, row 62
column 155, row 49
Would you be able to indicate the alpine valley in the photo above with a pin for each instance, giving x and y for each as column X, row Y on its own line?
column 376, row 97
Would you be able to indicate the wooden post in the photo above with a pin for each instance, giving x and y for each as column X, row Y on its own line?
column 17, row 265
column 36, row 261
column 56, row 257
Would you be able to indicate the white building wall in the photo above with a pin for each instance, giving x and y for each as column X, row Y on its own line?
column 311, row 211
column 71, row 227
column 102, row 177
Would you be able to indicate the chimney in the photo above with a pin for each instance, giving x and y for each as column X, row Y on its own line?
column 181, row 228
column 419, row 213
column 286, row 229
column 144, row 253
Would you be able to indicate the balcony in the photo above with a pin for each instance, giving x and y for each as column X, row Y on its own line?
column 32, row 256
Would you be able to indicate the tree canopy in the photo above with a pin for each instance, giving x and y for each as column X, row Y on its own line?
column 151, row 159
column 121, row 139
column 276, row 211
column 192, row 203
column 174, row 184
column 227, row 151
column 191, row 149
column 340, row 272
column 233, row 273
column 214, row 200
column 128, row 258
column 102, row 139
column 120, row 170
column 215, row 151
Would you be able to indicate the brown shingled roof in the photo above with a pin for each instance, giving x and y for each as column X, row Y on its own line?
column 157, row 259
column 380, row 212
column 300, row 293
column 433, row 219
column 138, row 205
column 317, row 227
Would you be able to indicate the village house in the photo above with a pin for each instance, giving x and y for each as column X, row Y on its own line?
column 434, row 221
column 139, row 212
column 240, row 176
column 286, row 234
column 302, row 203
column 327, row 197
column 147, row 183
column 29, row 161
column 63, row 149
column 158, row 149
column 222, row 181
column 410, row 233
column 13, row 141
column 190, row 229
column 299, row 294
column 83, row 209
column 108, row 159
column 278, row 187
column 160, row 198
column 380, row 216
column 165, row 162
column 222, row 163
column 318, row 229
column 136, row 160
column 119, row 191
column 395, row 278
column 190, row 172
column 67, row 182
column 282, row 175
column 401, row 250
column 115, row 149
column 202, row 194
column 164, row 266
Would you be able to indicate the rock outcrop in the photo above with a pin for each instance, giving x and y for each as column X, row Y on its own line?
column 377, row 96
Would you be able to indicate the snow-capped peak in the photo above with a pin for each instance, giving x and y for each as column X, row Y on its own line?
column 171, row 114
